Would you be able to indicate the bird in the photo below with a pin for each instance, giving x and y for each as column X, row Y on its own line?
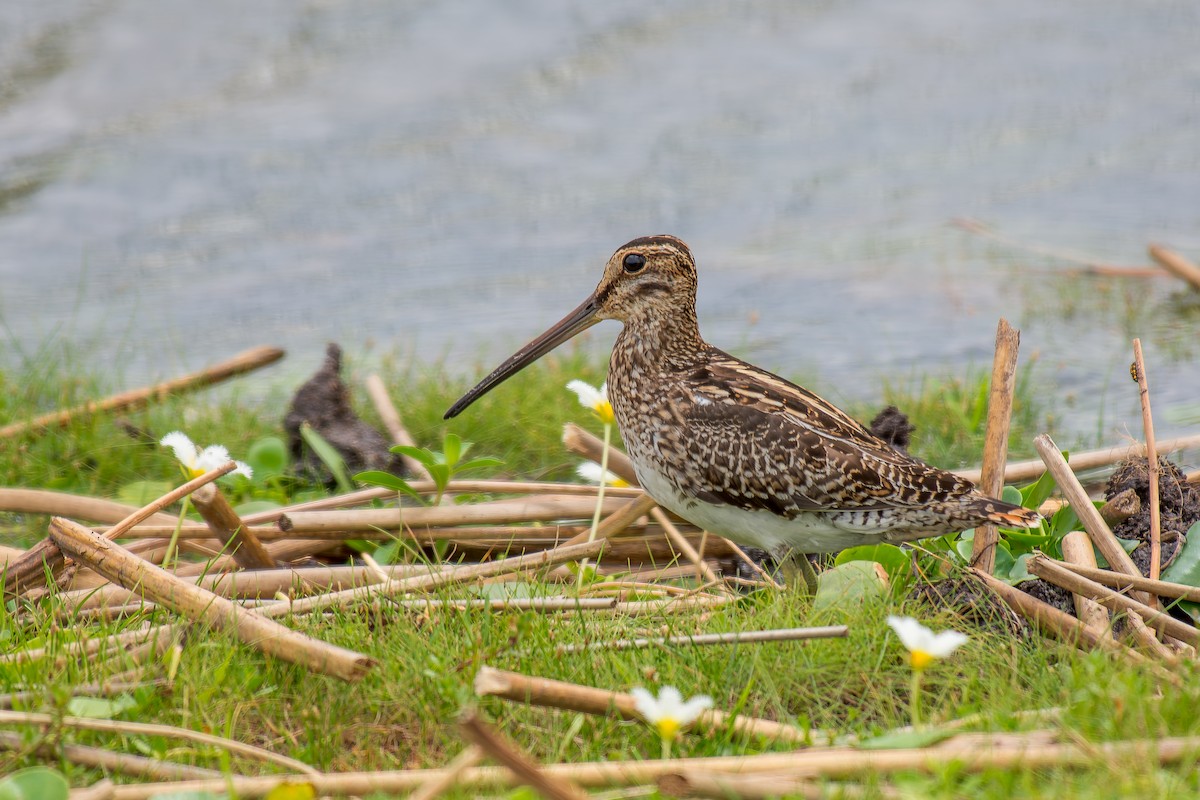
column 738, row 450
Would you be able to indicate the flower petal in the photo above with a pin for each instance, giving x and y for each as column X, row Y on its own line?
column 694, row 707
column 213, row 456
column 589, row 396
column 946, row 643
column 590, row 472
column 185, row 449
column 645, row 704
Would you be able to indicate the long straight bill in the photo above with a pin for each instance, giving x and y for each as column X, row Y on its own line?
column 577, row 321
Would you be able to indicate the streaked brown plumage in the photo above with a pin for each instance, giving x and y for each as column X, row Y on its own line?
column 736, row 449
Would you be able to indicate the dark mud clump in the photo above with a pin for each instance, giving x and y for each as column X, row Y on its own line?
column 893, row 427
column 324, row 403
column 972, row 600
column 1179, row 503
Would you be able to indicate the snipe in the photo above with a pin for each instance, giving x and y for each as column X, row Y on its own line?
column 735, row 449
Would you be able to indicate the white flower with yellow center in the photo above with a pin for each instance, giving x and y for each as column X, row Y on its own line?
column 924, row 646
column 591, row 472
column 195, row 461
column 595, row 399
column 669, row 714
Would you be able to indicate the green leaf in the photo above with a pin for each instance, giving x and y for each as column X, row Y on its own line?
column 140, row 493
column 268, row 457
column 35, row 783
column 100, row 707
column 377, row 477
column 440, row 474
column 903, row 740
column 328, row 454
column 419, row 453
column 893, row 559
column 479, row 463
column 1036, row 493
column 452, row 447
column 849, row 583
column 1011, row 494
column 1185, row 568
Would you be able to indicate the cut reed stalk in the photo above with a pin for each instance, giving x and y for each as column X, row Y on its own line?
column 469, row 757
column 137, row 398
column 228, row 528
column 522, row 766
column 817, row 763
column 735, row 637
column 544, row 508
column 1121, row 507
column 46, row 721
column 590, row 700
column 1060, row 575
column 995, row 442
column 195, row 603
column 1116, row 580
column 1101, row 535
column 109, row 761
column 1139, row 375
column 45, row 560
column 1176, row 264
column 1050, row 620
column 1077, row 549
column 1081, row 462
column 377, row 391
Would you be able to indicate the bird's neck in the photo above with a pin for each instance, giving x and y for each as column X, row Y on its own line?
column 655, row 344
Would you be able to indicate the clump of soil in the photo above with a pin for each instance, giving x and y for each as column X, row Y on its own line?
column 324, row 403
column 1179, row 501
column 893, row 427
column 971, row 600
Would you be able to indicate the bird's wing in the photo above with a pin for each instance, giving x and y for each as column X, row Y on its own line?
column 756, row 441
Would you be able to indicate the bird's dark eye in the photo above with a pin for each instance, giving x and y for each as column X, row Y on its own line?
column 634, row 262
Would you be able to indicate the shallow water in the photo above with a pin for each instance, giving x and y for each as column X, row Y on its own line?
column 180, row 181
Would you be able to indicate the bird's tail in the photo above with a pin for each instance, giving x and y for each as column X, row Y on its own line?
column 1007, row 515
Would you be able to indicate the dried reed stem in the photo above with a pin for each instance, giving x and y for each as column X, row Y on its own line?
column 137, row 398
column 1102, row 536
column 377, row 391
column 736, row 637
column 546, row 508
column 1080, row 462
column 995, row 442
column 724, row 785
column 64, row 504
column 1077, row 549
column 45, row 558
column 1176, row 264
column 590, row 700
column 1121, row 507
column 461, row 575
column 1115, row 580
column 109, row 761
column 523, row 767
column 1050, row 620
column 684, row 546
column 1139, row 375
column 817, row 763
column 193, row 602
column 1057, row 573
column 469, row 757
column 146, row 729
column 229, row 529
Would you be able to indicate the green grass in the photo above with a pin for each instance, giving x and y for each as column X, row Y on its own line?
column 402, row 714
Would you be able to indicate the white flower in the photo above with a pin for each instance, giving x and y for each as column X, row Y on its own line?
column 593, row 398
column 195, row 461
column 669, row 714
column 590, row 472
column 925, row 646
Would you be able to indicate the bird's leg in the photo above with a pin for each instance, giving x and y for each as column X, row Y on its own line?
column 795, row 567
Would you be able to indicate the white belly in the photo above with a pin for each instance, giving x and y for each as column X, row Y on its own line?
column 815, row 532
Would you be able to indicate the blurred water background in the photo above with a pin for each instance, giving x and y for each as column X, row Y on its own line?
column 444, row 178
